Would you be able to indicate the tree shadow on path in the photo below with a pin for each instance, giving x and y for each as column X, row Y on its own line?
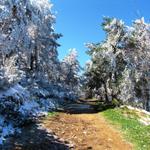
column 85, row 107
column 79, row 107
column 34, row 138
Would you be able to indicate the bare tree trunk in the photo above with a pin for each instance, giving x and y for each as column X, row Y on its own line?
column 106, row 93
column 147, row 99
column 32, row 62
column 36, row 57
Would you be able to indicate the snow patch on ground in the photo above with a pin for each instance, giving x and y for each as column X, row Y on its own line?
column 144, row 116
column 6, row 129
column 17, row 106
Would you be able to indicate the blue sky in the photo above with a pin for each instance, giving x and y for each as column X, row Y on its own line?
column 80, row 20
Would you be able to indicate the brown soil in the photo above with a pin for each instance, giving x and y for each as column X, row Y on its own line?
column 80, row 128
column 86, row 131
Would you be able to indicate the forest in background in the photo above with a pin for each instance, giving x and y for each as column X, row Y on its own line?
column 119, row 67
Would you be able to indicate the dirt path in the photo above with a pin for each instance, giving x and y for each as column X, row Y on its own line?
column 80, row 128
column 86, row 131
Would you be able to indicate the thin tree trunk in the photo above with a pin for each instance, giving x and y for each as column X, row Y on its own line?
column 106, row 93
column 147, row 99
column 32, row 62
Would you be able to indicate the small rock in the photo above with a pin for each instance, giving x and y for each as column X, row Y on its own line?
column 89, row 147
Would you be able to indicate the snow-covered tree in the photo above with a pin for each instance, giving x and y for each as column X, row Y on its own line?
column 137, row 51
column 27, row 36
column 70, row 70
column 29, row 67
column 120, row 64
column 106, row 57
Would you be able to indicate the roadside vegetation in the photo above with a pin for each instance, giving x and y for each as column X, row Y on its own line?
column 128, row 122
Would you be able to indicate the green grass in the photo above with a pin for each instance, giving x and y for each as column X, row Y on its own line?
column 52, row 114
column 133, row 130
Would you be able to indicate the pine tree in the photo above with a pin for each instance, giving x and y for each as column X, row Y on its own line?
column 70, row 71
column 28, row 37
column 119, row 66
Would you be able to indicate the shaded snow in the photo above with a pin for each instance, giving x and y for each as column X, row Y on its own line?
column 28, row 106
column 16, row 91
column 17, row 101
column 7, row 129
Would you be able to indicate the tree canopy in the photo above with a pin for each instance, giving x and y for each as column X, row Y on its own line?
column 119, row 65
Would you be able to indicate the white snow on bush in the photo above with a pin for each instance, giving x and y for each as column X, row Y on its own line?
column 16, row 91
column 6, row 129
column 1, row 120
column 47, row 104
column 17, row 101
column 29, row 107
